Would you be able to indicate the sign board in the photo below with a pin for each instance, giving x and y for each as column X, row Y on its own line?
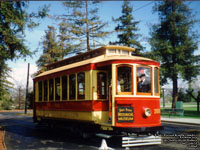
column 125, row 114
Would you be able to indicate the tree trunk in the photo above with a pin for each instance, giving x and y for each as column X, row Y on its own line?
column 19, row 98
column 175, row 91
column 197, row 99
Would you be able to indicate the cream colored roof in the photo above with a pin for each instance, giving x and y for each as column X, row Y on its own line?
column 98, row 59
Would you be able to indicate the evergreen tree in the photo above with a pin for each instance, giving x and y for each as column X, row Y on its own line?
column 82, row 25
column 173, row 43
column 51, row 49
column 67, row 41
column 13, row 21
column 5, row 85
column 127, row 28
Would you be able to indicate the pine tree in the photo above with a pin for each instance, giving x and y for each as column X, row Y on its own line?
column 13, row 21
column 83, row 25
column 173, row 43
column 127, row 28
column 51, row 49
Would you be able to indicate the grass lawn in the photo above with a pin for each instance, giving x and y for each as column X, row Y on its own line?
column 190, row 110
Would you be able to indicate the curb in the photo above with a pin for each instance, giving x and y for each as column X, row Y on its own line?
column 180, row 122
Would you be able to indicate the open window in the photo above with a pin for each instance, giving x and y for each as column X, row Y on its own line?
column 45, row 90
column 124, row 80
column 64, row 87
column 72, row 86
column 144, row 80
column 102, row 85
column 51, row 90
column 81, row 85
column 57, row 88
column 40, row 91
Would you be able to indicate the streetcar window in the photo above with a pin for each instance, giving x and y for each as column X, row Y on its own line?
column 72, row 86
column 125, row 52
column 124, row 79
column 45, row 90
column 112, row 51
column 40, row 91
column 101, row 85
column 64, row 87
column 81, row 85
column 51, row 90
column 144, row 79
column 156, row 81
column 57, row 88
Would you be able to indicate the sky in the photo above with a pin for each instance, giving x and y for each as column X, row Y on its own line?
column 142, row 11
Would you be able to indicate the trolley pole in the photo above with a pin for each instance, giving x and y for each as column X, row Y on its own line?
column 26, row 100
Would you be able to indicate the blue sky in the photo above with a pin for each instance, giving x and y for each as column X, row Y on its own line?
column 142, row 11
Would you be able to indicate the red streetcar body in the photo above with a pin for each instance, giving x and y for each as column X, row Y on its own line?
column 139, row 105
column 103, row 87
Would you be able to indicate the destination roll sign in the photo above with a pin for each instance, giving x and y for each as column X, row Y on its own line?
column 125, row 114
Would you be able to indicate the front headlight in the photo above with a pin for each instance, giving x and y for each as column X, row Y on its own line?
column 147, row 112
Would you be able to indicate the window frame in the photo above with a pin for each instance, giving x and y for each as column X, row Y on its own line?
column 132, row 81
column 158, row 81
column 79, row 95
column 100, row 96
column 144, row 93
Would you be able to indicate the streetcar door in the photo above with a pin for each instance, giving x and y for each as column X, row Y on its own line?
column 102, row 85
column 103, row 91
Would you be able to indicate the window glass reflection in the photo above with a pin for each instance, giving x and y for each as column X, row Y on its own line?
column 101, row 85
column 124, row 82
column 81, row 85
column 143, row 79
column 156, row 90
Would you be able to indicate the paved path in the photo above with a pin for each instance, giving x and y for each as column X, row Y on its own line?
column 23, row 134
column 182, row 120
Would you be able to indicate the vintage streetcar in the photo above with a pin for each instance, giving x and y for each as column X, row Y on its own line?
column 106, row 89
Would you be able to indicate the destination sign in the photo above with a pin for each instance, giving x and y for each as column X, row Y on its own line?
column 125, row 114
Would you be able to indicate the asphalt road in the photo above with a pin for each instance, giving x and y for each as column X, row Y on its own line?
column 23, row 134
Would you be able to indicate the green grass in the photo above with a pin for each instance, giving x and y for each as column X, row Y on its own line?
column 190, row 111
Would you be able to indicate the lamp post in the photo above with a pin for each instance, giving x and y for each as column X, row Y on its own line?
column 26, row 100
column 163, row 97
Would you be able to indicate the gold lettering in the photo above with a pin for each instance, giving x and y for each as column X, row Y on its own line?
column 129, row 110
column 125, row 118
column 125, row 114
column 121, row 110
column 156, row 111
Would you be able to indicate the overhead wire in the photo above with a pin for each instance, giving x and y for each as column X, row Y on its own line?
column 142, row 6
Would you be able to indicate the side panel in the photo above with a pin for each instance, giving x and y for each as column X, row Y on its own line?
column 36, row 92
column 91, row 110
column 94, row 84
column 89, row 116
column 88, row 85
